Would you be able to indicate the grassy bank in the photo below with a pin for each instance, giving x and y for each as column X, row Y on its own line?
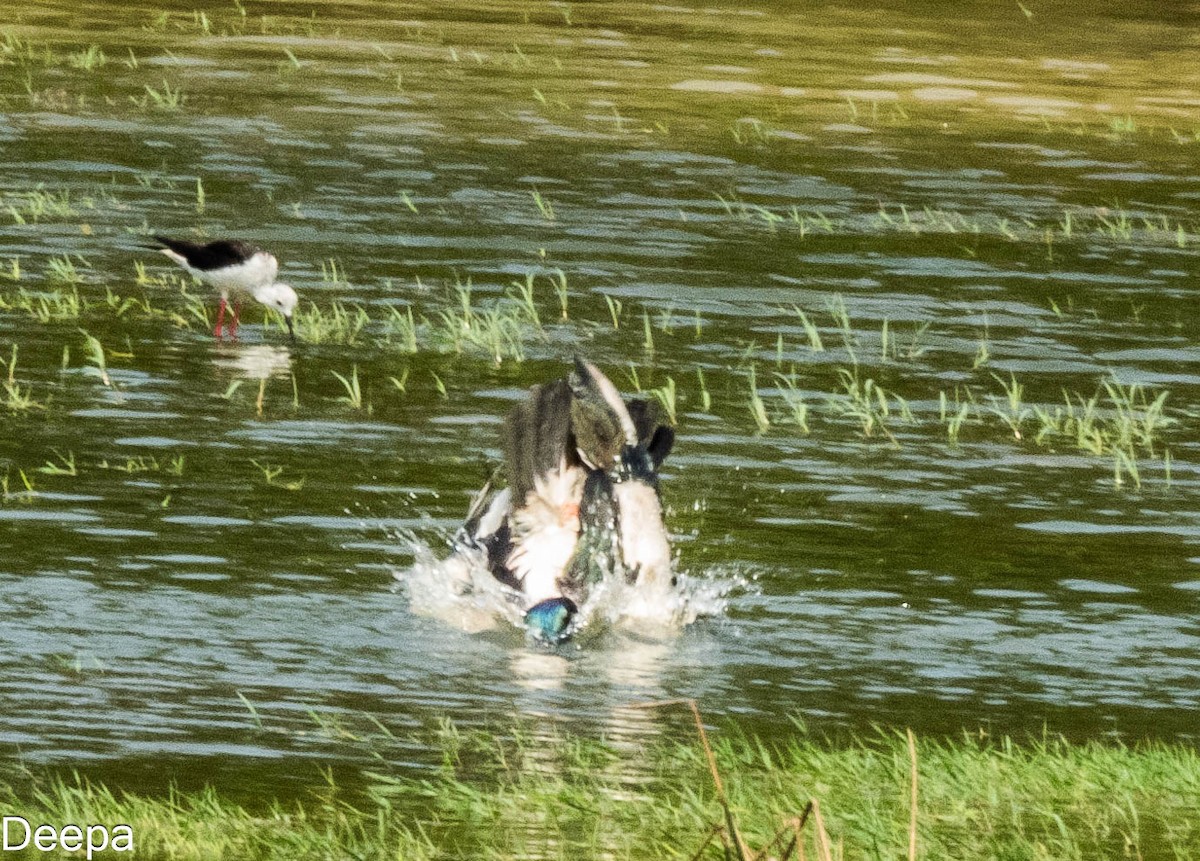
column 500, row 797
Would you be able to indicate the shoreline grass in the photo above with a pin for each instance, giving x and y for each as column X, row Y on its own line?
column 520, row 796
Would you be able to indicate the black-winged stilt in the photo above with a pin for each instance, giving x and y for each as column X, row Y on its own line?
column 237, row 269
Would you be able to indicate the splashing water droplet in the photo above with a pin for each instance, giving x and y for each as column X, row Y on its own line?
column 461, row 591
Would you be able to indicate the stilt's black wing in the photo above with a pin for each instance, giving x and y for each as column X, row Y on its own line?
column 537, row 437
column 214, row 255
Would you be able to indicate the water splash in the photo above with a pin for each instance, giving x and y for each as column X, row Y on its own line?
column 460, row 591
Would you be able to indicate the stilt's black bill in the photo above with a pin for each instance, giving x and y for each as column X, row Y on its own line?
column 291, row 329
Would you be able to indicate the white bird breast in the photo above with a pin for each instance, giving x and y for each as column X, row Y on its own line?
column 644, row 541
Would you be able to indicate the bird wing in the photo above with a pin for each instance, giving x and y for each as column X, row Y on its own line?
column 538, row 438
column 213, row 255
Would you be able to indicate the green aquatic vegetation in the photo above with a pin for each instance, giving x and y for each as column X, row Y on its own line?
column 758, row 408
column 544, row 206
column 499, row 328
column 94, row 352
column 258, row 723
column 666, row 319
column 401, row 329
column 525, row 297
column 166, row 99
column 1012, row 409
column 614, row 310
column 337, row 324
column 797, row 407
column 955, row 416
column 1125, row 125
column 498, row 332
column 63, row 269
column 332, row 273
column 14, row 270
column 666, row 396
column 17, row 399
column 733, row 205
column 647, row 333
column 868, row 403
column 154, row 181
column 194, row 307
column 1139, row 421
column 40, row 204
column 121, row 305
column 1116, row 225
column 1129, row 421
column 559, row 280
column 1125, row 464
column 14, row 49
column 271, row 476
column 750, row 131
column 45, row 306
column 705, row 395
column 88, row 59
column 401, row 382
column 64, row 466
column 815, row 344
column 146, row 463
column 836, row 307
column 353, row 396
column 8, row 494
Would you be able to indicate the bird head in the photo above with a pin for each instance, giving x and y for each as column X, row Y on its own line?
column 283, row 299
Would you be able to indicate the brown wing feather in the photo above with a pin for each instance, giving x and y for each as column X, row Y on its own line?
column 537, row 436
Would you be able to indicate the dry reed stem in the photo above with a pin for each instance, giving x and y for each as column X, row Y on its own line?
column 912, row 801
column 712, row 832
column 730, row 829
column 823, row 848
column 792, row 825
column 739, row 845
column 799, row 824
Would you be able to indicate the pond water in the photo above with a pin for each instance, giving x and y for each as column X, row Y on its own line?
column 912, row 284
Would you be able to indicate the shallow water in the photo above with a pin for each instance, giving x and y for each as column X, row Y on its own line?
column 1013, row 197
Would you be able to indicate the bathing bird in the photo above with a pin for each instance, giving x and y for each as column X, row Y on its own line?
column 582, row 499
column 236, row 269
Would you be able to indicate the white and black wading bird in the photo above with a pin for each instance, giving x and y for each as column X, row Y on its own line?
column 237, row 270
column 582, row 501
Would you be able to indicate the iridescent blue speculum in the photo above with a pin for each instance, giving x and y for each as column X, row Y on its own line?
column 548, row 620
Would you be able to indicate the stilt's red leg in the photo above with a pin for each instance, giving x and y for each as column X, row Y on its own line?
column 220, row 318
column 237, row 313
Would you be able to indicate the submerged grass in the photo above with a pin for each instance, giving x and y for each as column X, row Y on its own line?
column 819, row 383
column 519, row 795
